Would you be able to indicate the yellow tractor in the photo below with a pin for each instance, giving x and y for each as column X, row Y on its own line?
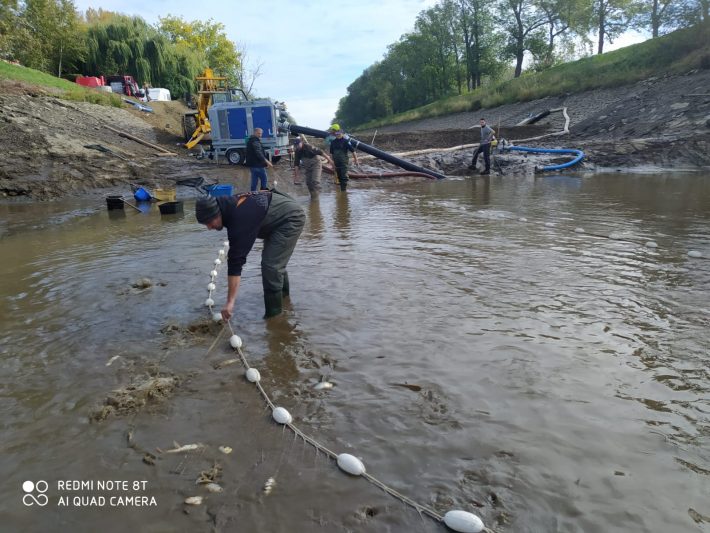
column 196, row 124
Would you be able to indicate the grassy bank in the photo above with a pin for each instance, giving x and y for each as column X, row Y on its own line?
column 64, row 89
column 677, row 52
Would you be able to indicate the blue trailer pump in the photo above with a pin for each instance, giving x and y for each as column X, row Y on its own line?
column 233, row 123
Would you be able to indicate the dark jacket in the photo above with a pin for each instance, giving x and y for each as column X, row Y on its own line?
column 242, row 215
column 255, row 153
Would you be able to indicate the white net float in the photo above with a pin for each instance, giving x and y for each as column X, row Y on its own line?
column 282, row 416
column 351, row 464
column 218, row 261
column 522, row 219
column 463, row 521
column 221, row 253
column 209, row 302
column 211, row 286
column 253, row 375
column 694, row 253
column 651, row 244
column 213, row 273
column 225, row 244
column 579, row 230
column 235, row 341
column 217, row 317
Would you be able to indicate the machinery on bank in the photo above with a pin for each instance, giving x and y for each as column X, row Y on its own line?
column 230, row 120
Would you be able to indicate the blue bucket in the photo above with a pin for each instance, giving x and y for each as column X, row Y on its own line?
column 219, row 190
column 141, row 195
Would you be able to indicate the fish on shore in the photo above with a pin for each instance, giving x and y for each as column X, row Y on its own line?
column 184, row 448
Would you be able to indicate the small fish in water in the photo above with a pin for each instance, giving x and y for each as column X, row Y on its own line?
column 194, row 500
column 323, row 384
column 112, row 360
column 213, row 487
column 225, row 450
column 415, row 388
column 185, row 448
column 227, row 362
column 269, row 485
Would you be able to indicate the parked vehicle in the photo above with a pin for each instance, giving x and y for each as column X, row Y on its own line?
column 232, row 123
column 119, row 84
column 124, row 85
column 159, row 94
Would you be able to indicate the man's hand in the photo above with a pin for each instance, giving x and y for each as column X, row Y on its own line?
column 227, row 311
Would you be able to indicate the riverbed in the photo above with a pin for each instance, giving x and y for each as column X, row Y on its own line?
column 507, row 346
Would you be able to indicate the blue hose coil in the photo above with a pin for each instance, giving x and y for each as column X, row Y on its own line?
column 578, row 153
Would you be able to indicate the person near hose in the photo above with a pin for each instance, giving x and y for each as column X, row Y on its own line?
column 487, row 136
column 256, row 160
column 339, row 149
column 308, row 157
column 270, row 215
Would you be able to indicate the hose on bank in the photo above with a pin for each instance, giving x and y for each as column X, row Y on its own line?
column 364, row 175
column 579, row 155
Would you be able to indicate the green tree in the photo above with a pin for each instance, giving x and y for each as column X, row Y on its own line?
column 208, row 39
column 8, row 14
column 523, row 24
column 49, row 35
column 611, row 19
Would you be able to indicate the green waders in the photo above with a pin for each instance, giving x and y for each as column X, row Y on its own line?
column 280, row 230
column 341, row 161
column 313, row 167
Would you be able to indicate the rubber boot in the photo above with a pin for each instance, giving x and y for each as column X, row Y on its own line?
column 272, row 303
column 286, row 290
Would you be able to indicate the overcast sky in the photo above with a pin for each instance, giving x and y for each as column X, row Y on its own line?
column 310, row 50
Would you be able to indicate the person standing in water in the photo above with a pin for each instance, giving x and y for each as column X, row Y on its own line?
column 340, row 148
column 272, row 216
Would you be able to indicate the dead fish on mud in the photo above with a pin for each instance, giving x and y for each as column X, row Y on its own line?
column 222, row 364
column 213, row 487
column 269, row 485
column 194, row 500
column 182, row 449
column 323, row 384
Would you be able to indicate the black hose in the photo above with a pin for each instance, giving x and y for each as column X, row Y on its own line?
column 369, row 150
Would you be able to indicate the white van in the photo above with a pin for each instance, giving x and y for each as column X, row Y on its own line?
column 159, row 94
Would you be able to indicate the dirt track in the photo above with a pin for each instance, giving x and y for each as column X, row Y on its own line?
column 660, row 122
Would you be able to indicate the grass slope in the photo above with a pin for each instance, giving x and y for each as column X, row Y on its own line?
column 64, row 89
column 677, row 52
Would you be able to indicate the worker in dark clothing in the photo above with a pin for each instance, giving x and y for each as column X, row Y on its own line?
column 339, row 148
column 308, row 156
column 270, row 215
column 487, row 136
column 256, row 160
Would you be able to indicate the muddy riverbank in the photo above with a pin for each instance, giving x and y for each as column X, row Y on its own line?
column 54, row 148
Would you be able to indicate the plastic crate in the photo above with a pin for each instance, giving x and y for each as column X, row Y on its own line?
column 165, row 195
column 219, row 190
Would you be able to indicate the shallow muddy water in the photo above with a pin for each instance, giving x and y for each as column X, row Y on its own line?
column 485, row 356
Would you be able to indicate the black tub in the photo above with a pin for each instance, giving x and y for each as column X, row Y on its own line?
column 114, row 202
column 170, row 208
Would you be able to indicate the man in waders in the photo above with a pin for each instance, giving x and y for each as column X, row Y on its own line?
column 339, row 149
column 270, row 215
column 308, row 156
column 487, row 136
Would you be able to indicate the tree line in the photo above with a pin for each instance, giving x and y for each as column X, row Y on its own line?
column 54, row 37
column 457, row 44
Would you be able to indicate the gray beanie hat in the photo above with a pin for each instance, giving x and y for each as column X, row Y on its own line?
column 206, row 209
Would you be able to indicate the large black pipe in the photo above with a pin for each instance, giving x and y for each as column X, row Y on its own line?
column 369, row 150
